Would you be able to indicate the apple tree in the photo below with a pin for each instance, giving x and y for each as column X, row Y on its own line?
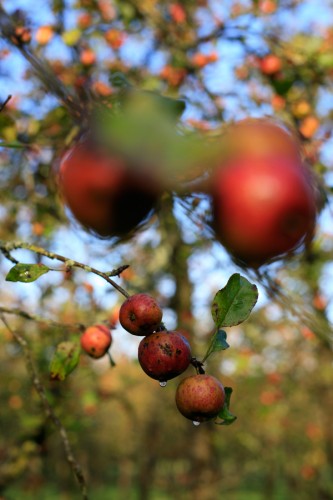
column 160, row 163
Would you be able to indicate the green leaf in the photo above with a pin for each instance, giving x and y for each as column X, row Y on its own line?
column 281, row 87
column 325, row 60
column 12, row 144
column 168, row 105
column 220, row 341
column 71, row 37
column 65, row 360
column 225, row 414
column 119, row 80
column 232, row 305
column 217, row 343
column 26, row 273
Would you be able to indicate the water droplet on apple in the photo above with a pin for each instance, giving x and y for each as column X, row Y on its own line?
column 195, row 423
column 163, row 383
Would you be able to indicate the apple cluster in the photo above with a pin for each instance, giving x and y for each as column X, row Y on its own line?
column 163, row 355
column 262, row 193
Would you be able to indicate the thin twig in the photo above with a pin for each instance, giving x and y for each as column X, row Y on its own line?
column 8, row 256
column 4, row 104
column 7, row 247
column 40, row 319
column 40, row 389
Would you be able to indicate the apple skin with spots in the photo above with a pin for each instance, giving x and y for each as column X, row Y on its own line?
column 140, row 314
column 164, row 355
column 200, row 397
column 96, row 340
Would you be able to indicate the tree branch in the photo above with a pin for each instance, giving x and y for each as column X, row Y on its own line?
column 40, row 319
column 4, row 104
column 42, row 69
column 7, row 247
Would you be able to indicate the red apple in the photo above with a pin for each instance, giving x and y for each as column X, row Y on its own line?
column 263, row 206
column 270, row 64
column 164, row 355
column 96, row 340
column 200, row 397
column 260, row 137
column 102, row 192
column 140, row 314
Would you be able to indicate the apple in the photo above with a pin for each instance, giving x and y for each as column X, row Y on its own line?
column 200, row 397
column 263, row 206
column 260, row 137
column 96, row 340
column 164, row 355
column 270, row 64
column 140, row 314
column 103, row 193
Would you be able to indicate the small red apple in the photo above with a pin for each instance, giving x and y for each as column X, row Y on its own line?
column 270, row 64
column 96, row 340
column 164, row 355
column 263, row 207
column 102, row 192
column 200, row 397
column 140, row 314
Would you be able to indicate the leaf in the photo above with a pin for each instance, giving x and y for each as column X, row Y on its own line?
column 281, row 87
column 225, row 414
column 220, row 341
column 232, row 305
column 119, row 80
column 71, row 37
column 325, row 60
column 12, row 144
column 65, row 360
column 26, row 273
column 168, row 105
column 217, row 343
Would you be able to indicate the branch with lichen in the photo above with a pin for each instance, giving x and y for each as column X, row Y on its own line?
column 49, row 412
column 7, row 247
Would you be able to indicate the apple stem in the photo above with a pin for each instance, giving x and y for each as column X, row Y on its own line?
column 198, row 365
column 112, row 362
column 162, row 328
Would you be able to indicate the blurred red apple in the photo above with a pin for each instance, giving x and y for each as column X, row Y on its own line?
column 260, row 137
column 263, row 206
column 96, row 340
column 102, row 192
column 270, row 64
